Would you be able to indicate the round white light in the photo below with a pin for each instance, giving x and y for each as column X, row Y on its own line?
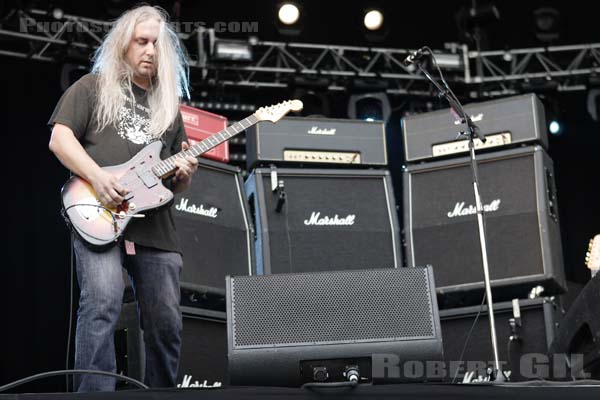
column 373, row 20
column 289, row 14
column 57, row 13
column 554, row 127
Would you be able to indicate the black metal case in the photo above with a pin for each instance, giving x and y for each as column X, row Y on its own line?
column 522, row 224
column 316, row 138
column 327, row 220
column 522, row 118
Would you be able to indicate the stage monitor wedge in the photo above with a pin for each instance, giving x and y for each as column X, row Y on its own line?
column 291, row 329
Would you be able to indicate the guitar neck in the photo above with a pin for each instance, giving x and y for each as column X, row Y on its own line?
column 167, row 166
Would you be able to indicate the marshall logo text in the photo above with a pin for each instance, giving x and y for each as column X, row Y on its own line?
column 316, row 219
column 187, row 383
column 315, row 130
column 460, row 210
column 193, row 209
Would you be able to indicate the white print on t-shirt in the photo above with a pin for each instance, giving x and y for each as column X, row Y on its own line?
column 134, row 126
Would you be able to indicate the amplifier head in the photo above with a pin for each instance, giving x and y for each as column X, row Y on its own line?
column 507, row 122
column 296, row 140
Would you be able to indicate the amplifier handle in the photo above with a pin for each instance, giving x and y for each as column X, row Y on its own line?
column 551, row 194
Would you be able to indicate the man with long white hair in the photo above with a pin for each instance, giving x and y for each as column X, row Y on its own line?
column 130, row 99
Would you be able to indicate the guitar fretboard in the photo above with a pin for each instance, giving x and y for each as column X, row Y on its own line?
column 167, row 166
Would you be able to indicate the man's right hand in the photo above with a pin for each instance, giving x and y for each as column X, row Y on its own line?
column 110, row 192
column 69, row 151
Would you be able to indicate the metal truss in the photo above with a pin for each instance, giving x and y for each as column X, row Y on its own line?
column 562, row 68
column 336, row 68
column 37, row 35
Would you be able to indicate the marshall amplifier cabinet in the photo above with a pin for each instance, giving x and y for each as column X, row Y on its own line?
column 318, row 219
column 524, row 329
column 521, row 216
column 203, row 361
column 508, row 121
column 296, row 140
column 199, row 125
column 130, row 355
column 212, row 222
column 291, row 329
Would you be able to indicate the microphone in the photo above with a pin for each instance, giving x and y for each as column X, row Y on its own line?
column 414, row 57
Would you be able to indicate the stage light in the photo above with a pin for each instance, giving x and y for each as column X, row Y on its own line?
column 369, row 107
column 474, row 23
column 547, row 24
column 593, row 103
column 374, row 26
column 316, row 104
column 554, row 114
column 449, row 61
column 290, row 19
column 232, row 50
column 289, row 13
column 554, row 127
column 58, row 13
column 373, row 20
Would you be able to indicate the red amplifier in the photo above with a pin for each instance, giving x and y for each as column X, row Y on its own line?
column 199, row 125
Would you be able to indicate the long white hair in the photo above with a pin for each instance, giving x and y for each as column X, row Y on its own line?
column 115, row 75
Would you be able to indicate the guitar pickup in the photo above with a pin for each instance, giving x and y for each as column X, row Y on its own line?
column 148, row 177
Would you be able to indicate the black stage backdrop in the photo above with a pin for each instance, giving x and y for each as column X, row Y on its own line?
column 35, row 271
column 34, row 286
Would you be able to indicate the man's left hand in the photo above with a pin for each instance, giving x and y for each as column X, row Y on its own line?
column 185, row 169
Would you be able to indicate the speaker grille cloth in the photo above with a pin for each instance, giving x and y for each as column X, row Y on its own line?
column 203, row 350
column 451, row 244
column 214, row 245
column 296, row 246
column 334, row 307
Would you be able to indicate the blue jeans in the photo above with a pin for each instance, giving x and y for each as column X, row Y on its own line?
column 155, row 278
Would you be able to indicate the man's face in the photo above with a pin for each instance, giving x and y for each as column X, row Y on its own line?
column 141, row 53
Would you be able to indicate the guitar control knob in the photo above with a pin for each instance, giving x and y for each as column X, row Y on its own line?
column 132, row 206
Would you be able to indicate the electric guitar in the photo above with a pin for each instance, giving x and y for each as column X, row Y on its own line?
column 592, row 257
column 101, row 226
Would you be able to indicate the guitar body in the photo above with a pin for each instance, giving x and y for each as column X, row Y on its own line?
column 101, row 227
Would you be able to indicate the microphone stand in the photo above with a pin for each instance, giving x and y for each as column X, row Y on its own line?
column 472, row 130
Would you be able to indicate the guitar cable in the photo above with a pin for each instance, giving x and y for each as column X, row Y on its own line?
column 287, row 230
column 112, row 214
column 49, row 374
column 71, row 292
column 462, row 353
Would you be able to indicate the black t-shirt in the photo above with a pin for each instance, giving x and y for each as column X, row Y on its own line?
column 118, row 143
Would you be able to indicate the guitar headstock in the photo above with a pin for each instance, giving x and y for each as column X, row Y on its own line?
column 592, row 257
column 275, row 112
